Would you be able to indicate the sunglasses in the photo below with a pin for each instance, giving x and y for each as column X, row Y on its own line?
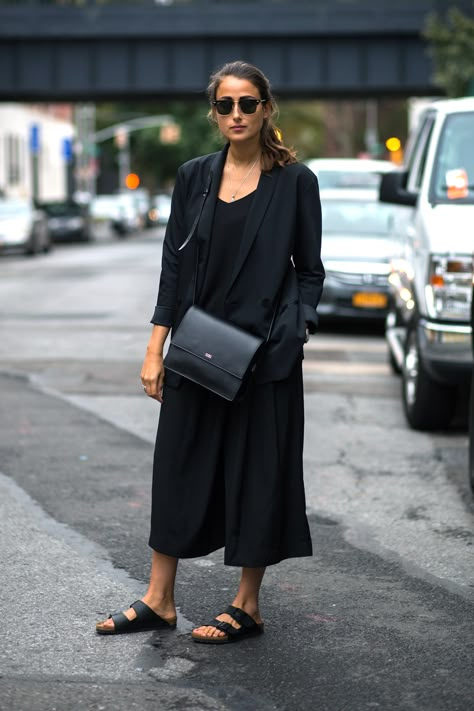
column 247, row 105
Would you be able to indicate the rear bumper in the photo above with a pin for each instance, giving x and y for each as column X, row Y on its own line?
column 338, row 301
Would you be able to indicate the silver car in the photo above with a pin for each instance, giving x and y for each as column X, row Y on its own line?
column 23, row 227
column 357, row 173
column 356, row 251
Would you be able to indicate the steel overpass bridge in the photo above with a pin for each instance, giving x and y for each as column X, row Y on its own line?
column 99, row 50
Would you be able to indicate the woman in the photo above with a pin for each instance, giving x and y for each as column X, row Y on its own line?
column 230, row 474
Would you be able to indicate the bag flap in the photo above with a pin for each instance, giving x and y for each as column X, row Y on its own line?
column 220, row 343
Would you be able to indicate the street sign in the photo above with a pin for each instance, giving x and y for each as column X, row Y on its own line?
column 67, row 149
column 34, row 138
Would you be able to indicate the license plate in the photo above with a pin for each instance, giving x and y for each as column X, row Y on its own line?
column 369, row 300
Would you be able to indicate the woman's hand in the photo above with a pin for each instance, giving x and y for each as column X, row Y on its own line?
column 153, row 370
column 153, row 376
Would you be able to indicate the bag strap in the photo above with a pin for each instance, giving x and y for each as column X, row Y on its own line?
column 198, row 216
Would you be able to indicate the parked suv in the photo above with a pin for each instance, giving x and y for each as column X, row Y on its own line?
column 428, row 326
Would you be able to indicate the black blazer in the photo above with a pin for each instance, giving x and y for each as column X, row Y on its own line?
column 280, row 249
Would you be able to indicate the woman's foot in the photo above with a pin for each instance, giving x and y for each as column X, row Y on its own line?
column 164, row 609
column 211, row 632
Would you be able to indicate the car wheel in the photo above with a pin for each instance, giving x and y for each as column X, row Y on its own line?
column 32, row 246
column 428, row 405
column 47, row 244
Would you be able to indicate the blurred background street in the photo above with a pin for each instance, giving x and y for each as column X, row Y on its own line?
column 100, row 102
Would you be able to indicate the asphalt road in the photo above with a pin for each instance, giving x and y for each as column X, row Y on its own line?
column 381, row 617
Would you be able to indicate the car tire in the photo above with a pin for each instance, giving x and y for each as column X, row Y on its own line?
column 428, row 405
column 32, row 246
column 47, row 245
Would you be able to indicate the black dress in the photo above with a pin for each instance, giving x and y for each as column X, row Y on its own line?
column 230, row 474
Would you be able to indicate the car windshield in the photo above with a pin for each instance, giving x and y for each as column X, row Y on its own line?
column 453, row 174
column 356, row 217
column 347, row 179
column 61, row 209
column 14, row 209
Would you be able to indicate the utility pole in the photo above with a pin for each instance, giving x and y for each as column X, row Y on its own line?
column 85, row 150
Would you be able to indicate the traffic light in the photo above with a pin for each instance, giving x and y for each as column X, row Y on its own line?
column 132, row 181
column 394, row 147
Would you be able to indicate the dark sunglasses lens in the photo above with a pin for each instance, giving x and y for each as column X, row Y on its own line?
column 224, row 106
column 248, row 106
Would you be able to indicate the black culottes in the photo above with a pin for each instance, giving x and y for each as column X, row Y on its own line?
column 231, row 474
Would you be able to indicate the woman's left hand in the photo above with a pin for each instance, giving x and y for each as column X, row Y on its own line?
column 153, row 376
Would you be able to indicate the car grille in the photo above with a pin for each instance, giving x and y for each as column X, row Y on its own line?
column 359, row 279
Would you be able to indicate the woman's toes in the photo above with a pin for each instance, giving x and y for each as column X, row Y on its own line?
column 105, row 625
column 209, row 632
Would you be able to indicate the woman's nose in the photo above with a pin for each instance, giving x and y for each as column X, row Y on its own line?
column 236, row 110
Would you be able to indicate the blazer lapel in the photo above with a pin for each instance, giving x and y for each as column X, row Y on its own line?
column 263, row 195
column 204, row 227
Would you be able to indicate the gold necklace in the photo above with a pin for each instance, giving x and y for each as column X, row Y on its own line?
column 232, row 197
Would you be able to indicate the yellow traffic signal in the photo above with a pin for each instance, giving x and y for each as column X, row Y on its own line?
column 394, row 147
column 393, row 144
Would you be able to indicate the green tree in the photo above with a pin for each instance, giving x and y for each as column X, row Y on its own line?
column 301, row 124
column 451, row 41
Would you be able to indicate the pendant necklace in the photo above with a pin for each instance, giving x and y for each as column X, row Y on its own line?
column 232, row 197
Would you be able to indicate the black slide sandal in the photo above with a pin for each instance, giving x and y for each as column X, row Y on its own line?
column 146, row 619
column 248, row 628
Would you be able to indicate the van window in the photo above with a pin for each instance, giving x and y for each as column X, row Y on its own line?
column 420, row 151
column 420, row 168
column 453, row 173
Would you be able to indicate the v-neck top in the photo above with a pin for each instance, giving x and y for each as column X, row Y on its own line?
column 226, row 237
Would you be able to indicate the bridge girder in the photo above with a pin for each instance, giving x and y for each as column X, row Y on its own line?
column 103, row 52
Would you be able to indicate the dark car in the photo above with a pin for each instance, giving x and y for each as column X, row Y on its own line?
column 67, row 221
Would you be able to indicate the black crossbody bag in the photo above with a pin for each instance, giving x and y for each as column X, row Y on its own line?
column 212, row 352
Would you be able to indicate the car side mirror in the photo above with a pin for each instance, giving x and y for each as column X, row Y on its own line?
column 393, row 189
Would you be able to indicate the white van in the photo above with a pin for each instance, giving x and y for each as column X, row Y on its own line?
column 428, row 326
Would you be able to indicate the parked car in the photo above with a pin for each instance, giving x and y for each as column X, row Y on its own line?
column 160, row 209
column 429, row 330
column 119, row 210
column 356, row 251
column 349, row 172
column 23, row 227
column 67, row 220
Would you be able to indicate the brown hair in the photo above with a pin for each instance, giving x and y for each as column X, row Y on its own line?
column 273, row 150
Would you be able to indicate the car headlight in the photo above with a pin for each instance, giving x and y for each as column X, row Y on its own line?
column 448, row 292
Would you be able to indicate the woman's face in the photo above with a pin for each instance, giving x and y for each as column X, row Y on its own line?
column 239, row 127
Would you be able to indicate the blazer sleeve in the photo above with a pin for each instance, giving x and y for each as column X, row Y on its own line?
column 165, row 309
column 307, row 250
